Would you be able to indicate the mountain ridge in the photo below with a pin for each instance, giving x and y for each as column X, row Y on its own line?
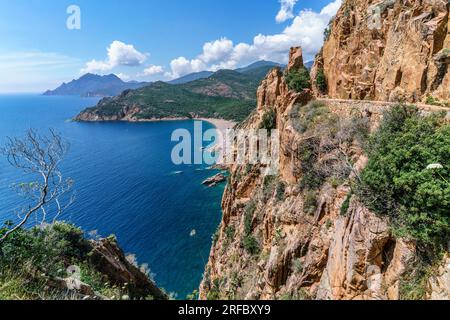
column 226, row 94
column 92, row 85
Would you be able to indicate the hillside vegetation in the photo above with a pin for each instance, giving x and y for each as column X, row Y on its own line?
column 226, row 94
column 57, row 262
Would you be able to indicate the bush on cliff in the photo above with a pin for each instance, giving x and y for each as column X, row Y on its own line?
column 298, row 80
column 251, row 245
column 34, row 262
column 326, row 149
column 321, row 81
column 407, row 176
column 269, row 120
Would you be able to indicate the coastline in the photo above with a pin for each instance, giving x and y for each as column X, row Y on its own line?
column 220, row 124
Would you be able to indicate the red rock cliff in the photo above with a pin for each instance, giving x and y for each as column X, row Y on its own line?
column 388, row 50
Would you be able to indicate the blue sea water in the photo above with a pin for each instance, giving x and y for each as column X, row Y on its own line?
column 125, row 185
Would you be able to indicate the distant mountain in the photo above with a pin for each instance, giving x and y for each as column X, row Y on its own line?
column 92, row 85
column 229, row 84
column 309, row 64
column 226, row 94
column 259, row 65
column 192, row 77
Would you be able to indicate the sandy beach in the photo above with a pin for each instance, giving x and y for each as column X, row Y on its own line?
column 220, row 124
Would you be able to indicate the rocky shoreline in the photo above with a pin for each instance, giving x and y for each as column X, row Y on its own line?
column 220, row 124
column 215, row 180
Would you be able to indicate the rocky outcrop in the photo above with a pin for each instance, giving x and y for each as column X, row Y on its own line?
column 110, row 260
column 387, row 50
column 439, row 283
column 281, row 240
column 215, row 180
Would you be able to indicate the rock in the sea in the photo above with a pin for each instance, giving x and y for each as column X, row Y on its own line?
column 215, row 180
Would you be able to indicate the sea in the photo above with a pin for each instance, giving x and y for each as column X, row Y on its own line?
column 125, row 185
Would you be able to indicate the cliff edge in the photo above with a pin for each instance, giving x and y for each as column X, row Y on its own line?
column 387, row 50
column 303, row 234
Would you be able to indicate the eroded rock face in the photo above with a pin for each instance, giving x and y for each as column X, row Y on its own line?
column 440, row 282
column 305, row 251
column 388, row 50
column 295, row 59
column 110, row 260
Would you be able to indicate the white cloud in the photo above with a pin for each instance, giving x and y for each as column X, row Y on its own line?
column 217, row 50
column 306, row 30
column 182, row 66
column 123, row 76
column 119, row 54
column 152, row 70
column 287, row 10
column 331, row 9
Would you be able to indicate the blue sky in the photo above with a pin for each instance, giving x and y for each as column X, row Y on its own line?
column 150, row 39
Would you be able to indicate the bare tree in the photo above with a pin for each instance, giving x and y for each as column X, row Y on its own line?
column 47, row 192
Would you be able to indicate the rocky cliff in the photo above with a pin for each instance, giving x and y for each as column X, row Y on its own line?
column 302, row 234
column 387, row 50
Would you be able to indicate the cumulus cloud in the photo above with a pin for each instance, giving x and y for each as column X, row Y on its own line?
column 153, row 70
column 182, row 66
column 216, row 50
column 287, row 10
column 306, row 30
column 119, row 54
column 123, row 76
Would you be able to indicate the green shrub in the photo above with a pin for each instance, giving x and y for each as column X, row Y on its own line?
column 298, row 80
column 321, row 81
column 278, row 237
column 432, row 101
column 230, row 232
column 312, row 177
column 269, row 184
column 280, row 191
column 30, row 257
column 310, row 204
column 399, row 181
column 45, row 247
column 308, row 116
column 327, row 31
column 251, row 245
column 346, row 204
column 436, row 102
column 269, row 120
column 414, row 282
column 215, row 236
column 414, row 288
column 193, row 296
column 248, row 217
column 214, row 291
column 297, row 266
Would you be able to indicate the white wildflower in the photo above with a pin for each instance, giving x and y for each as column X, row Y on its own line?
column 436, row 166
